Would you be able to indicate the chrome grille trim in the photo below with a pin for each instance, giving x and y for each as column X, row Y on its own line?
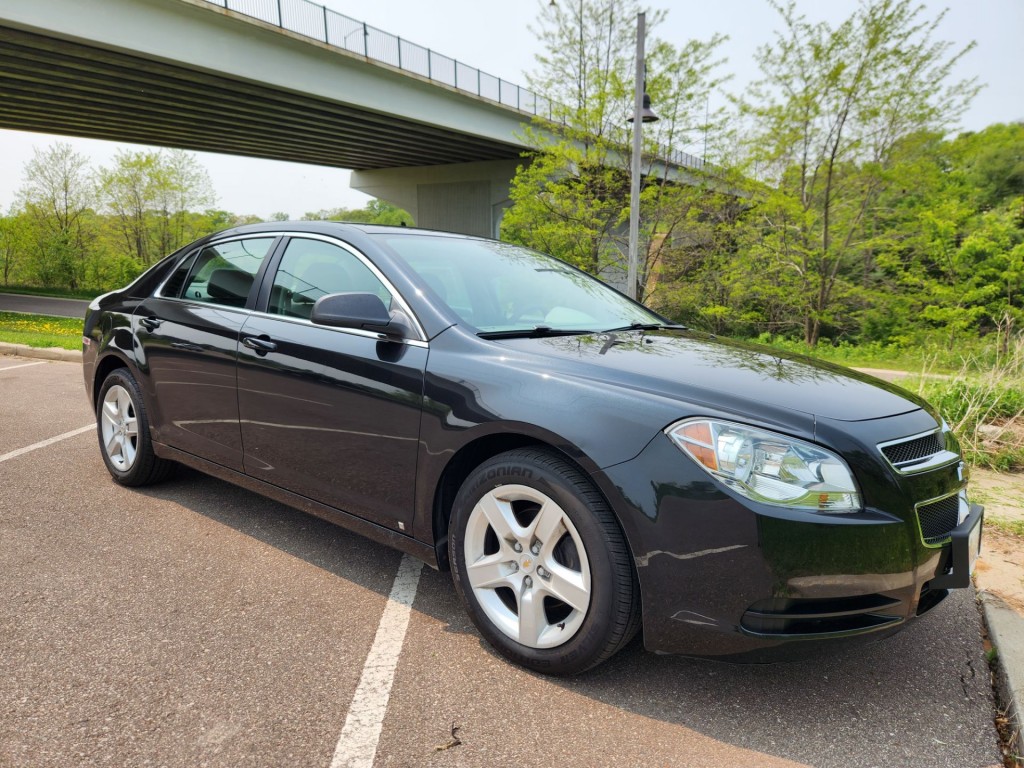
column 918, row 453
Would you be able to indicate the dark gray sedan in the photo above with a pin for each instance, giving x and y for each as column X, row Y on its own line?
column 583, row 466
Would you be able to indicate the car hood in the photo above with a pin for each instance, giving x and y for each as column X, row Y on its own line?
column 697, row 366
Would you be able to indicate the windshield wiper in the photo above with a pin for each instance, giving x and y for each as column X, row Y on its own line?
column 648, row 327
column 532, row 333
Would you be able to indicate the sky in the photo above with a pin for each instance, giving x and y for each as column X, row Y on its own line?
column 494, row 37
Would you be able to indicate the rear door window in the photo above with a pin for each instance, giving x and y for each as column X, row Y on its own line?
column 221, row 274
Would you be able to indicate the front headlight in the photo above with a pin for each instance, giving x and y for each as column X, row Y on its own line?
column 767, row 467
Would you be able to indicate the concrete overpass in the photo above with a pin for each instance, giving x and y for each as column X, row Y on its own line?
column 280, row 79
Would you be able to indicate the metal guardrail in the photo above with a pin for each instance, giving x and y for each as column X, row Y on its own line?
column 320, row 23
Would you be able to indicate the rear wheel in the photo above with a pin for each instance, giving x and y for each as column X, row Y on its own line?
column 541, row 564
column 123, row 428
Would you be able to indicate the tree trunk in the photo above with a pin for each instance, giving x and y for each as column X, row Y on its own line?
column 812, row 331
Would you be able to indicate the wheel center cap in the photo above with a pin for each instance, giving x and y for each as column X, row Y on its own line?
column 527, row 563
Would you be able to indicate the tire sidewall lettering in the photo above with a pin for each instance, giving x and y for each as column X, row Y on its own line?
column 496, row 477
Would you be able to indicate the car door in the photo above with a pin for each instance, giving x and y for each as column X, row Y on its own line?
column 329, row 413
column 188, row 345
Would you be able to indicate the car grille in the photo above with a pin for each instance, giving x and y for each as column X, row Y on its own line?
column 915, row 450
column 939, row 518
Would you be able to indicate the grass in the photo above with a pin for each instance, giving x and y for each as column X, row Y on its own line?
column 984, row 404
column 40, row 330
column 925, row 356
column 1012, row 527
column 977, row 387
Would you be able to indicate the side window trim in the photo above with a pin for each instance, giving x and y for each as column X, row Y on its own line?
column 190, row 274
column 159, row 292
column 260, row 278
column 269, row 272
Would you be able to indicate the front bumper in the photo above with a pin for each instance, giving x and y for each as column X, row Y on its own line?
column 724, row 577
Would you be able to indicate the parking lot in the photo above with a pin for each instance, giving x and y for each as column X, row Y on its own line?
column 197, row 624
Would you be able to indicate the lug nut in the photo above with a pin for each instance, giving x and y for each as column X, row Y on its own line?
column 517, row 546
column 527, row 582
column 535, row 548
column 542, row 573
column 515, row 567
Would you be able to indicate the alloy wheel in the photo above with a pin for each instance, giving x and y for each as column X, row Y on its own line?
column 527, row 566
column 120, row 428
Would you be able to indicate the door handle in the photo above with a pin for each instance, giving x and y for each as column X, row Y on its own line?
column 260, row 345
column 150, row 323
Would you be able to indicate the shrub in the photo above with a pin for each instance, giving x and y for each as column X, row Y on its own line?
column 984, row 405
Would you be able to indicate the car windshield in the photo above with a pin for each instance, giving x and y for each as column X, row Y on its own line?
column 500, row 288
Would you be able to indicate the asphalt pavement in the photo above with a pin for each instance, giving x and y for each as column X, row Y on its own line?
column 197, row 624
column 43, row 305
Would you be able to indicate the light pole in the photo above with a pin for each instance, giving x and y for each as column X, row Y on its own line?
column 641, row 114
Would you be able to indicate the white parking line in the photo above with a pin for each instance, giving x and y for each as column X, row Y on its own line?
column 44, row 443
column 357, row 745
column 22, row 365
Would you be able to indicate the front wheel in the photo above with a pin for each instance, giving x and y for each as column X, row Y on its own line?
column 123, row 428
column 541, row 564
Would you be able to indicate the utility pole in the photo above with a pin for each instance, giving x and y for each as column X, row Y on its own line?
column 634, row 189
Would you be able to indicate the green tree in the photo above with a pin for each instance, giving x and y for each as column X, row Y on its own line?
column 828, row 117
column 992, row 162
column 374, row 212
column 127, row 193
column 56, row 198
column 182, row 186
column 691, row 282
column 215, row 219
column 585, row 70
column 13, row 245
column 948, row 240
column 571, row 197
column 150, row 194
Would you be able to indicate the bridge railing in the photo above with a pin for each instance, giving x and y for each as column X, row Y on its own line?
column 340, row 31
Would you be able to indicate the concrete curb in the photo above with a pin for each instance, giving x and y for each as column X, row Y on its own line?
column 1006, row 631
column 42, row 353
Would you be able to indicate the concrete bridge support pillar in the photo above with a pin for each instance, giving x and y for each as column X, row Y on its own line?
column 469, row 198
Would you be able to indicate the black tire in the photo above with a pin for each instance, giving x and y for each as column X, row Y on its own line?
column 584, row 552
column 122, row 427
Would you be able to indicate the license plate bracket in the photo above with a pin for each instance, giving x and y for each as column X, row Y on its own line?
column 965, row 546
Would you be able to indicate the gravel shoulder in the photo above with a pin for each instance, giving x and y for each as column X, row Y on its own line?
column 1001, row 567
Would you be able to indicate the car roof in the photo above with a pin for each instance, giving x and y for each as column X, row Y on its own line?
column 337, row 228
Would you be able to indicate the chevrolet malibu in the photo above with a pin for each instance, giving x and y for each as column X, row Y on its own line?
column 583, row 466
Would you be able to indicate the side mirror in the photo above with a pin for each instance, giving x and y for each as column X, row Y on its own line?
column 364, row 311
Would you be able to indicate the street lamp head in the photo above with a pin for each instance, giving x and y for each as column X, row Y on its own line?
column 646, row 114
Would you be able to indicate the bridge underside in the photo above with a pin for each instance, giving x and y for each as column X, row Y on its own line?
column 191, row 74
column 64, row 87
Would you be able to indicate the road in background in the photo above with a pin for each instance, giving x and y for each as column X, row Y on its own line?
column 43, row 305
column 194, row 623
